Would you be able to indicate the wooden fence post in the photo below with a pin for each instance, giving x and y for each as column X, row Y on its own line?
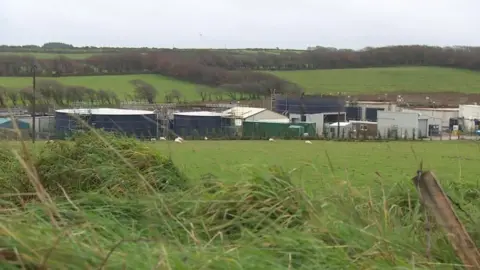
column 438, row 204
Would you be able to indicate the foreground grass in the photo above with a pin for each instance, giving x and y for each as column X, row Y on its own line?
column 329, row 205
column 378, row 80
column 118, row 83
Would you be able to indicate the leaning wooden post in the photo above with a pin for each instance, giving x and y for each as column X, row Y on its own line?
column 438, row 204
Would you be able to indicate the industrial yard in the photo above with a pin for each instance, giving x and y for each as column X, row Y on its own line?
column 309, row 117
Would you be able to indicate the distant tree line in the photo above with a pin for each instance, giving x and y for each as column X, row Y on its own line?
column 50, row 92
column 233, row 71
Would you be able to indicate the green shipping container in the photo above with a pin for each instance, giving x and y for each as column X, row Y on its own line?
column 263, row 130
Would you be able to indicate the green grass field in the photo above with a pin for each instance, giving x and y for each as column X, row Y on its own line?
column 379, row 80
column 356, row 161
column 354, row 81
column 120, row 84
column 336, row 205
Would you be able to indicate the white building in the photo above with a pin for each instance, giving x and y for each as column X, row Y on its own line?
column 251, row 114
column 437, row 116
column 405, row 124
column 470, row 115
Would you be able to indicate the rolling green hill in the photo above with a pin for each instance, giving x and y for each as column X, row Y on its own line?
column 79, row 54
column 377, row 80
column 352, row 81
column 118, row 83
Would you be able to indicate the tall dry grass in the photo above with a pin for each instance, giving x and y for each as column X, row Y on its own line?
column 106, row 202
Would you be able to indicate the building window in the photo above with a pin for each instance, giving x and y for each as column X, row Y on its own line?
column 303, row 118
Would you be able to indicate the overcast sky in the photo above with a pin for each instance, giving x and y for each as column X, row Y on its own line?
column 293, row 24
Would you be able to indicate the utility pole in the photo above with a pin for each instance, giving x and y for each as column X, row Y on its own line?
column 338, row 124
column 34, row 133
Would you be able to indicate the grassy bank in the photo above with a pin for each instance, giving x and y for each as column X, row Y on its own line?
column 118, row 83
column 230, row 205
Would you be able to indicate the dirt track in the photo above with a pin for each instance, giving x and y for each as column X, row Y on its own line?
column 444, row 99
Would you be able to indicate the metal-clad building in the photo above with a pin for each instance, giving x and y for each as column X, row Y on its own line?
column 470, row 115
column 135, row 123
column 202, row 123
column 402, row 125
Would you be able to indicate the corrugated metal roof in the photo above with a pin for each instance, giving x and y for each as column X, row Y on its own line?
column 105, row 111
column 200, row 113
column 243, row 112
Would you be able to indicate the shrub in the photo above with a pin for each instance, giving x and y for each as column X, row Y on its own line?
column 95, row 161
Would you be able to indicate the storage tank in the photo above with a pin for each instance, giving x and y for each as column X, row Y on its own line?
column 309, row 104
column 135, row 123
column 201, row 123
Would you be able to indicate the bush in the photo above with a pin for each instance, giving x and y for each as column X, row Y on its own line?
column 94, row 161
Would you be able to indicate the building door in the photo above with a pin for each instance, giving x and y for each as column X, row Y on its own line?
column 422, row 128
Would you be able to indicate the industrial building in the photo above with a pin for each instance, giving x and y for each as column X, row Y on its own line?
column 437, row 116
column 201, row 123
column 44, row 125
column 320, row 110
column 470, row 115
column 136, row 123
column 402, row 125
